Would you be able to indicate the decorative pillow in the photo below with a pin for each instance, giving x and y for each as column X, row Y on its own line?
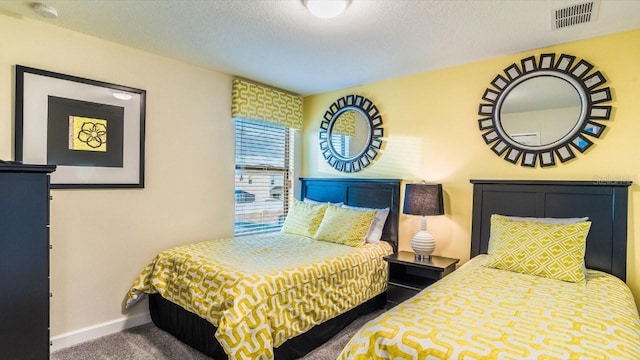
column 544, row 249
column 303, row 218
column 345, row 226
column 377, row 225
column 549, row 220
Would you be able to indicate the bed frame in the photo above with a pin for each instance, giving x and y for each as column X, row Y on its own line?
column 374, row 193
column 605, row 203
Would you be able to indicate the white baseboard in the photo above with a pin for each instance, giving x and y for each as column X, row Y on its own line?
column 96, row 331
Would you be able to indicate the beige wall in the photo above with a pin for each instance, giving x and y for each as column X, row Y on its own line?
column 103, row 238
column 431, row 133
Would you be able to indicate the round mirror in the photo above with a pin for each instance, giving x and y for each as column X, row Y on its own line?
column 544, row 110
column 540, row 111
column 351, row 133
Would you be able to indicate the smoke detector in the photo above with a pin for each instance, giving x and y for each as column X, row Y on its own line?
column 566, row 15
column 45, row 11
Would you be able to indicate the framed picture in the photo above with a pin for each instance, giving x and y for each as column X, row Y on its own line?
column 91, row 130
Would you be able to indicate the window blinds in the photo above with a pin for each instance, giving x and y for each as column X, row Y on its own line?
column 265, row 119
column 264, row 160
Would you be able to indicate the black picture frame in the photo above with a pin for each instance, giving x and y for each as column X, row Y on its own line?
column 95, row 139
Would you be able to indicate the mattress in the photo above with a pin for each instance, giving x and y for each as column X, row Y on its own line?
column 262, row 290
column 483, row 313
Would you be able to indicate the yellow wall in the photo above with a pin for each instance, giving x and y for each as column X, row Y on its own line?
column 431, row 133
column 103, row 238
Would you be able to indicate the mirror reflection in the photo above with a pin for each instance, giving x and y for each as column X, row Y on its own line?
column 349, row 134
column 540, row 111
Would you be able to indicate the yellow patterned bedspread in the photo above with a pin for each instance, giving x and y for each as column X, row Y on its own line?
column 483, row 313
column 261, row 290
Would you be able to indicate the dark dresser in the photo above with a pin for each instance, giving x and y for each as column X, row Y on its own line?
column 24, row 261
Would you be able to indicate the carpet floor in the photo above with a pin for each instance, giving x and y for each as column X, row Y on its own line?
column 147, row 342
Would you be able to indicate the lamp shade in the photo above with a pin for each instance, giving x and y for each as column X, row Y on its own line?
column 423, row 199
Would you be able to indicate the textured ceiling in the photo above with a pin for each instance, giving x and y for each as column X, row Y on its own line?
column 278, row 42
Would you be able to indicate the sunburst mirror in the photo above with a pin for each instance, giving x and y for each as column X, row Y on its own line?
column 351, row 133
column 544, row 109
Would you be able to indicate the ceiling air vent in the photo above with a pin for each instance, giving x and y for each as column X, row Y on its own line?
column 575, row 14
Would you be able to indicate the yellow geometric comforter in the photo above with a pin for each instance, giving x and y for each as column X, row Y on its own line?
column 482, row 313
column 261, row 290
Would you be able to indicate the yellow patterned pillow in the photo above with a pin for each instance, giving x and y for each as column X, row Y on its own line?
column 544, row 249
column 345, row 226
column 303, row 218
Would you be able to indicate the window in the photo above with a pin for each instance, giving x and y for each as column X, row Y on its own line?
column 264, row 164
column 341, row 144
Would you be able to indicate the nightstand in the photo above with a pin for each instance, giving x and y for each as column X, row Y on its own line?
column 407, row 276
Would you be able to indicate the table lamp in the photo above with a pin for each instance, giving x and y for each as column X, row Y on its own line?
column 425, row 200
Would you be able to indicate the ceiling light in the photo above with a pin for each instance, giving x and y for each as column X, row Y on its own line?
column 45, row 11
column 122, row 96
column 326, row 8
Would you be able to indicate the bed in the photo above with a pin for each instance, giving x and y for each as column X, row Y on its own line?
column 280, row 298
column 481, row 311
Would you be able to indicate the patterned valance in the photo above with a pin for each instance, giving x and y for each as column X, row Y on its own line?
column 256, row 102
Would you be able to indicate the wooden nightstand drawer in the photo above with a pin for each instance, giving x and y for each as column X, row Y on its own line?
column 398, row 294
column 411, row 277
column 408, row 276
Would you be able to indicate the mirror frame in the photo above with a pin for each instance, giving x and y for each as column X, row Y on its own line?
column 369, row 152
column 592, row 109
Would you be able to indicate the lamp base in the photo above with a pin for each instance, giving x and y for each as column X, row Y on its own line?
column 423, row 245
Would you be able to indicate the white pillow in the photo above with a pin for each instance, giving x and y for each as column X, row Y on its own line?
column 548, row 220
column 377, row 225
column 315, row 202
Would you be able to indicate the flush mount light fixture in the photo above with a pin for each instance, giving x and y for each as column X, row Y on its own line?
column 122, row 96
column 326, row 9
column 44, row 10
